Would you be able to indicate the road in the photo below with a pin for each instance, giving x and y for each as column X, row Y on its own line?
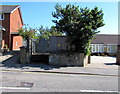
column 53, row 82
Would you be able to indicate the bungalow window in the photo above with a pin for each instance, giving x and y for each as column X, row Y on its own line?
column 108, row 48
column 113, row 48
column 1, row 16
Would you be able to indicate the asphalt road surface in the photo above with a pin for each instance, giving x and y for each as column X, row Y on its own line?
column 51, row 82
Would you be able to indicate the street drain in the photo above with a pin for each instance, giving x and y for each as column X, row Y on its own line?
column 26, row 84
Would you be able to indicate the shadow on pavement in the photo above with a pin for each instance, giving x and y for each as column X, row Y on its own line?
column 13, row 62
column 40, row 66
column 110, row 63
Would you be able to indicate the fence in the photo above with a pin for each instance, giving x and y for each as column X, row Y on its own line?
column 41, row 45
column 58, row 43
column 54, row 44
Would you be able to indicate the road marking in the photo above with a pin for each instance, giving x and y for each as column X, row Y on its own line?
column 14, row 88
column 73, row 75
column 96, row 91
column 62, row 73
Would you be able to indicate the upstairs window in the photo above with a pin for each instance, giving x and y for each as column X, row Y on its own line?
column 1, row 16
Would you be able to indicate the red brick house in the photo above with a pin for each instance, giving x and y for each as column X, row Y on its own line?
column 11, row 21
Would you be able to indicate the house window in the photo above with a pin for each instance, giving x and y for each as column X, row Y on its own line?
column 1, row 16
column 16, row 43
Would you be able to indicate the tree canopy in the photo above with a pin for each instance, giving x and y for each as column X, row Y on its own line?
column 47, row 32
column 80, row 24
column 27, row 32
column 40, row 32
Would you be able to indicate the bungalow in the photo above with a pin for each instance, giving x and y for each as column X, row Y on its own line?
column 105, row 43
column 10, row 22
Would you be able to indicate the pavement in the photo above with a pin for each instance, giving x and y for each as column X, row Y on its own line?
column 103, row 66
column 99, row 76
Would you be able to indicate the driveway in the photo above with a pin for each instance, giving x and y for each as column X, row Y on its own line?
column 103, row 62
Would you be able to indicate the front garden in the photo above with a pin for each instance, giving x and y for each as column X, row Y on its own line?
column 79, row 25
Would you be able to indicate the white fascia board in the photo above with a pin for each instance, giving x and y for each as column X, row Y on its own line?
column 112, row 44
column 15, row 9
column 97, row 44
column 2, row 28
column 104, row 44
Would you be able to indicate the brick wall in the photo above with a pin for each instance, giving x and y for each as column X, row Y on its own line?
column 15, row 24
column 15, row 21
column 6, row 24
column 16, row 42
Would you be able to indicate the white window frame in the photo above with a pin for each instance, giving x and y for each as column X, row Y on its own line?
column 110, row 45
column 1, row 16
column 100, row 48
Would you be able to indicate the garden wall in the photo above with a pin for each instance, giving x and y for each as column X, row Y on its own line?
column 25, row 55
column 62, row 59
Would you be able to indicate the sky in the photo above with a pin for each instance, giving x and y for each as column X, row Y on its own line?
column 36, row 14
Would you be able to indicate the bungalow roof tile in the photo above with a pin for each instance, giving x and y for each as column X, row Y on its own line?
column 106, row 39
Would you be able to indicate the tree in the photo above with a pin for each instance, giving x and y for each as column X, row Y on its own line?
column 46, row 32
column 79, row 24
column 27, row 32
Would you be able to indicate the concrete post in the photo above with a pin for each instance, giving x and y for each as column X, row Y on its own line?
column 23, row 55
column 28, row 56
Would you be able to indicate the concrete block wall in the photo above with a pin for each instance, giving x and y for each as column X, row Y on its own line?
column 62, row 59
column 6, row 35
column 24, row 55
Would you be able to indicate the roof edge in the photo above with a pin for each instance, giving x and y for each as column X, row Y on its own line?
column 21, row 15
column 15, row 8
